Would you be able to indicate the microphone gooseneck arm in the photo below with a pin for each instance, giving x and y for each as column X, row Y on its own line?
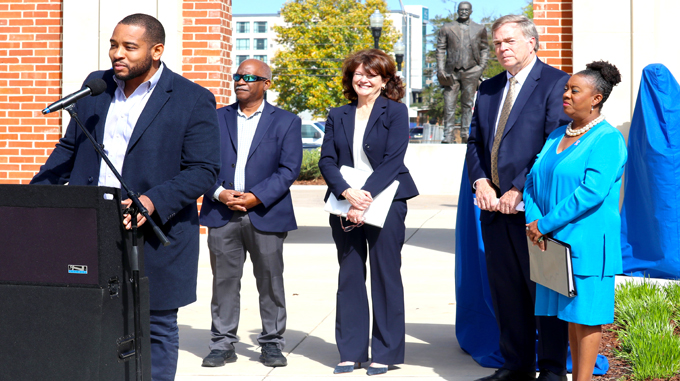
column 132, row 195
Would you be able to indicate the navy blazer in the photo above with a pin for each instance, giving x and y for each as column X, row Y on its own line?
column 385, row 142
column 536, row 113
column 172, row 157
column 273, row 165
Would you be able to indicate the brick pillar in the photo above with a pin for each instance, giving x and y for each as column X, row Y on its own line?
column 207, row 45
column 206, row 49
column 30, row 79
column 553, row 19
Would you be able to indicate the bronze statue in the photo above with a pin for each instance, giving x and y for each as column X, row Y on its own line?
column 462, row 52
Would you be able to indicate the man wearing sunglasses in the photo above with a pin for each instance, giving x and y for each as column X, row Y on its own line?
column 249, row 209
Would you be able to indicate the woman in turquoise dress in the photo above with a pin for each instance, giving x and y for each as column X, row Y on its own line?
column 572, row 194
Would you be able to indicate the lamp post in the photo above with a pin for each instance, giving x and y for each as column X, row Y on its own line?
column 399, row 49
column 376, row 26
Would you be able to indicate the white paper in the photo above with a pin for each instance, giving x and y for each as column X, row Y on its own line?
column 376, row 213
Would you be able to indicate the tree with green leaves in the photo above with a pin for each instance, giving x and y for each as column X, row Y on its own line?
column 317, row 37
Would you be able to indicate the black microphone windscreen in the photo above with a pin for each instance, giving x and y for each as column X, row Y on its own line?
column 97, row 86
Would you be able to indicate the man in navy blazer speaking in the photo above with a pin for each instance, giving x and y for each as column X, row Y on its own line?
column 160, row 131
column 514, row 114
column 249, row 209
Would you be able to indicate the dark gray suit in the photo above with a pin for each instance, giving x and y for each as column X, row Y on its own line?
column 462, row 53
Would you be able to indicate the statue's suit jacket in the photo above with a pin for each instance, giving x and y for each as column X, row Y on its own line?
column 449, row 40
column 172, row 157
column 273, row 165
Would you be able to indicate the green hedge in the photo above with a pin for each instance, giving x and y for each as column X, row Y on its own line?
column 310, row 165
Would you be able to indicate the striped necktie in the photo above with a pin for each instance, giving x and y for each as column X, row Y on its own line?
column 505, row 112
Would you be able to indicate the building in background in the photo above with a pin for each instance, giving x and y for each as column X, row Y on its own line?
column 412, row 23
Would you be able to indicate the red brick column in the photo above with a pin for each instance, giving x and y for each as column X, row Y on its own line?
column 206, row 49
column 553, row 19
column 207, row 44
column 30, row 78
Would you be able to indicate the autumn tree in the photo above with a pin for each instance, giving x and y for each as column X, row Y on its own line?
column 317, row 36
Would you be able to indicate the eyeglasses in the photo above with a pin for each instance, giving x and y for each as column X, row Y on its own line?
column 349, row 228
column 248, row 77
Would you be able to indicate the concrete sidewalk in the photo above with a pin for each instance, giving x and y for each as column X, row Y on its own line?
column 432, row 352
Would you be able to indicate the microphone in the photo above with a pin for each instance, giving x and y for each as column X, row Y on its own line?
column 94, row 88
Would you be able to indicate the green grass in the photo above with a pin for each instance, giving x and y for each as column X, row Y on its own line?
column 310, row 165
column 648, row 315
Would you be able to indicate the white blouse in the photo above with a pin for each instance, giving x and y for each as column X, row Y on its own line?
column 360, row 158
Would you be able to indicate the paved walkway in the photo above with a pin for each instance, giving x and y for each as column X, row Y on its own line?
column 432, row 352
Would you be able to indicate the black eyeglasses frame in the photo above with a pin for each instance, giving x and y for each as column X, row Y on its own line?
column 248, row 78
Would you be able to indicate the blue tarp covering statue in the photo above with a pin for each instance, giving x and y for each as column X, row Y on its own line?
column 476, row 328
column 650, row 217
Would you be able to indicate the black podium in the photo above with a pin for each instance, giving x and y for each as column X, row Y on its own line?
column 66, row 304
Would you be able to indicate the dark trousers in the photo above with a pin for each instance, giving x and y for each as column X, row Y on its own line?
column 387, row 292
column 164, row 344
column 513, row 295
column 228, row 246
column 465, row 82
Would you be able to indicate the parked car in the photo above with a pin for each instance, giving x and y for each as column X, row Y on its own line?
column 312, row 132
column 415, row 134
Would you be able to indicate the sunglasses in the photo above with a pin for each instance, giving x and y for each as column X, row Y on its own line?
column 248, row 77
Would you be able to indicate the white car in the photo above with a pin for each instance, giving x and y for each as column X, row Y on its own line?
column 312, row 132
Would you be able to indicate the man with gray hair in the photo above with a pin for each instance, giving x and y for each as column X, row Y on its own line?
column 249, row 210
column 514, row 114
column 462, row 53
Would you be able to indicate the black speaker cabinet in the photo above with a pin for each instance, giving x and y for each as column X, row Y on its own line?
column 66, row 305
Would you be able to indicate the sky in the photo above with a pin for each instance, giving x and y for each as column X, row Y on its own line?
column 480, row 8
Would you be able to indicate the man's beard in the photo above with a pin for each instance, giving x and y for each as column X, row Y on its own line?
column 136, row 71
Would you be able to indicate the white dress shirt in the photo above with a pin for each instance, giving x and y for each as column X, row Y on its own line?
column 521, row 78
column 120, row 123
column 247, row 125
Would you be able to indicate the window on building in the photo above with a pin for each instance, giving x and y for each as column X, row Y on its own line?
column 260, row 44
column 242, row 43
column 261, row 58
column 260, row 27
column 240, row 59
column 243, row 27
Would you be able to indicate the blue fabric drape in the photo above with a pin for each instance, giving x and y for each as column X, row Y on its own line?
column 650, row 229
column 476, row 328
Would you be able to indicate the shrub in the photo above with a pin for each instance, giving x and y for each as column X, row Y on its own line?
column 310, row 165
column 647, row 314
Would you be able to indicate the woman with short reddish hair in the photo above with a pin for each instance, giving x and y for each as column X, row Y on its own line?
column 369, row 134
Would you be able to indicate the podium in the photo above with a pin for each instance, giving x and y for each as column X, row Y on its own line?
column 66, row 304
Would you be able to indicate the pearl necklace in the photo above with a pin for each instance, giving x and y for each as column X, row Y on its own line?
column 584, row 129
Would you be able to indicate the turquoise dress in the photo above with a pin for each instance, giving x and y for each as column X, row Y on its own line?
column 574, row 195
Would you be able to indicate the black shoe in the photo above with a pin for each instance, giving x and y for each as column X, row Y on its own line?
column 509, row 375
column 547, row 375
column 272, row 356
column 346, row 368
column 219, row 358
column 374, row 371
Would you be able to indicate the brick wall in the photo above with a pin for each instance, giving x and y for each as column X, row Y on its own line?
column 206, row 49
column 30, row 78
column 207, row 45
column 553, row 19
